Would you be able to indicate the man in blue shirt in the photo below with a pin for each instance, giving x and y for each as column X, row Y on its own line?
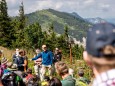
column 47, row 59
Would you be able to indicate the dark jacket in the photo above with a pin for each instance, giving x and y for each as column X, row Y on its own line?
column 57, row 57
column 20, row 61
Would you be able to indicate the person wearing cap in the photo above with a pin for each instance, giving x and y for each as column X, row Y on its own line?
column 63, row 70
column 47, row 60
column 100, row 53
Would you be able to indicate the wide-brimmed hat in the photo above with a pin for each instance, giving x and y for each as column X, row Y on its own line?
column 4, row 60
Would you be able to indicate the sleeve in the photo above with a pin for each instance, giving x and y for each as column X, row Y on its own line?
column 51, row 57
column 38, row 56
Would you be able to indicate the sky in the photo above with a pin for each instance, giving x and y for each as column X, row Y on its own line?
column 85, row 8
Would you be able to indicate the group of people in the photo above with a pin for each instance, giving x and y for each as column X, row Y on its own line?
column 99, row 55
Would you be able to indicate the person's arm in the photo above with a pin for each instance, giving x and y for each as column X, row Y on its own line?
column 36, row 57
column 51, row 57
column 25, row 63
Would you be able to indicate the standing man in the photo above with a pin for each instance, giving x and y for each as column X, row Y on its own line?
column 100, row 53
column 57, row 55
column 47, row 58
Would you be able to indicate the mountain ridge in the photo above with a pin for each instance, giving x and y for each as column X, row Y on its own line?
column 77, row 26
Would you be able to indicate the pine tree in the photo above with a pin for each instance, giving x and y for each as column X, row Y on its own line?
column 20, row 37
column 6, row 31
column 66, row 34
column 21, row 17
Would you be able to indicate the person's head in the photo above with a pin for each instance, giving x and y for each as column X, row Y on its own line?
column 47, row 78
column 17, row 51
column 38, row 51
column 0, row 53
column 100, row 47
column 71, row 71
column 80, row 72
column 55, row 82
column 44, row 47
column 21, row 53
column 56, row 50
column 24, row 52
column 61, row 68
column 29, row 71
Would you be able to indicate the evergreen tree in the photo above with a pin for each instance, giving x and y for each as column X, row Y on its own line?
column 21, row 25
column 34, row 36
column 21, row 17
column 6, row 31
column 51, row 39
column 66, row 35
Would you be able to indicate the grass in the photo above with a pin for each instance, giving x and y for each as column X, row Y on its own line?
column 76, row 64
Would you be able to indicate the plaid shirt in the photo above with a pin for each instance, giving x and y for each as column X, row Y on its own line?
column 105, row 79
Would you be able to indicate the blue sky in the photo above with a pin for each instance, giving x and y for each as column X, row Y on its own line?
column 85, row 8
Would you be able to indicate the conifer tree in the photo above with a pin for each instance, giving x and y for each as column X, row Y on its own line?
column 21, row 17
column 20, row 37
column 6, row 31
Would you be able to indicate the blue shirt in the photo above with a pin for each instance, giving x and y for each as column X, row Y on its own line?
column 47, row 57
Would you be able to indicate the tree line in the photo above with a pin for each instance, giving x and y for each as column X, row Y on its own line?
column 16, row 33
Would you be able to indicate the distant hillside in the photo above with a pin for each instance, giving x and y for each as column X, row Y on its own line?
column 77, row 25
column 95, row 20
column 76, row 15
column 111, row 20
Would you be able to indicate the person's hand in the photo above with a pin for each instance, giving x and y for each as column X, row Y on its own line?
column 30, row 59
column 24, row 64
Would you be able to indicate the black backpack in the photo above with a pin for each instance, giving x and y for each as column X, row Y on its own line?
column 10, row 79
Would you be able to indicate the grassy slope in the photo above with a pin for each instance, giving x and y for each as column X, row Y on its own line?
column 75, row 65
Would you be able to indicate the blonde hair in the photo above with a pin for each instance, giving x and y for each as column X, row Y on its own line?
column 108, row 50
column 107, row 61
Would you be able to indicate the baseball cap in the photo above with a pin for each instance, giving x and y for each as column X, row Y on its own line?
column 99, row 36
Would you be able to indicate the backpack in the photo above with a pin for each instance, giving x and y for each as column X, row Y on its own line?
column 12, row 79
column 32, row 82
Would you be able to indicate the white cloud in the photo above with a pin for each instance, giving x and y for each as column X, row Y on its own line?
column 88, row 1
column 85, row 8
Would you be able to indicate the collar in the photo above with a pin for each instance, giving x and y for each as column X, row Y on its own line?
column 45, row 51
column 103, row 77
